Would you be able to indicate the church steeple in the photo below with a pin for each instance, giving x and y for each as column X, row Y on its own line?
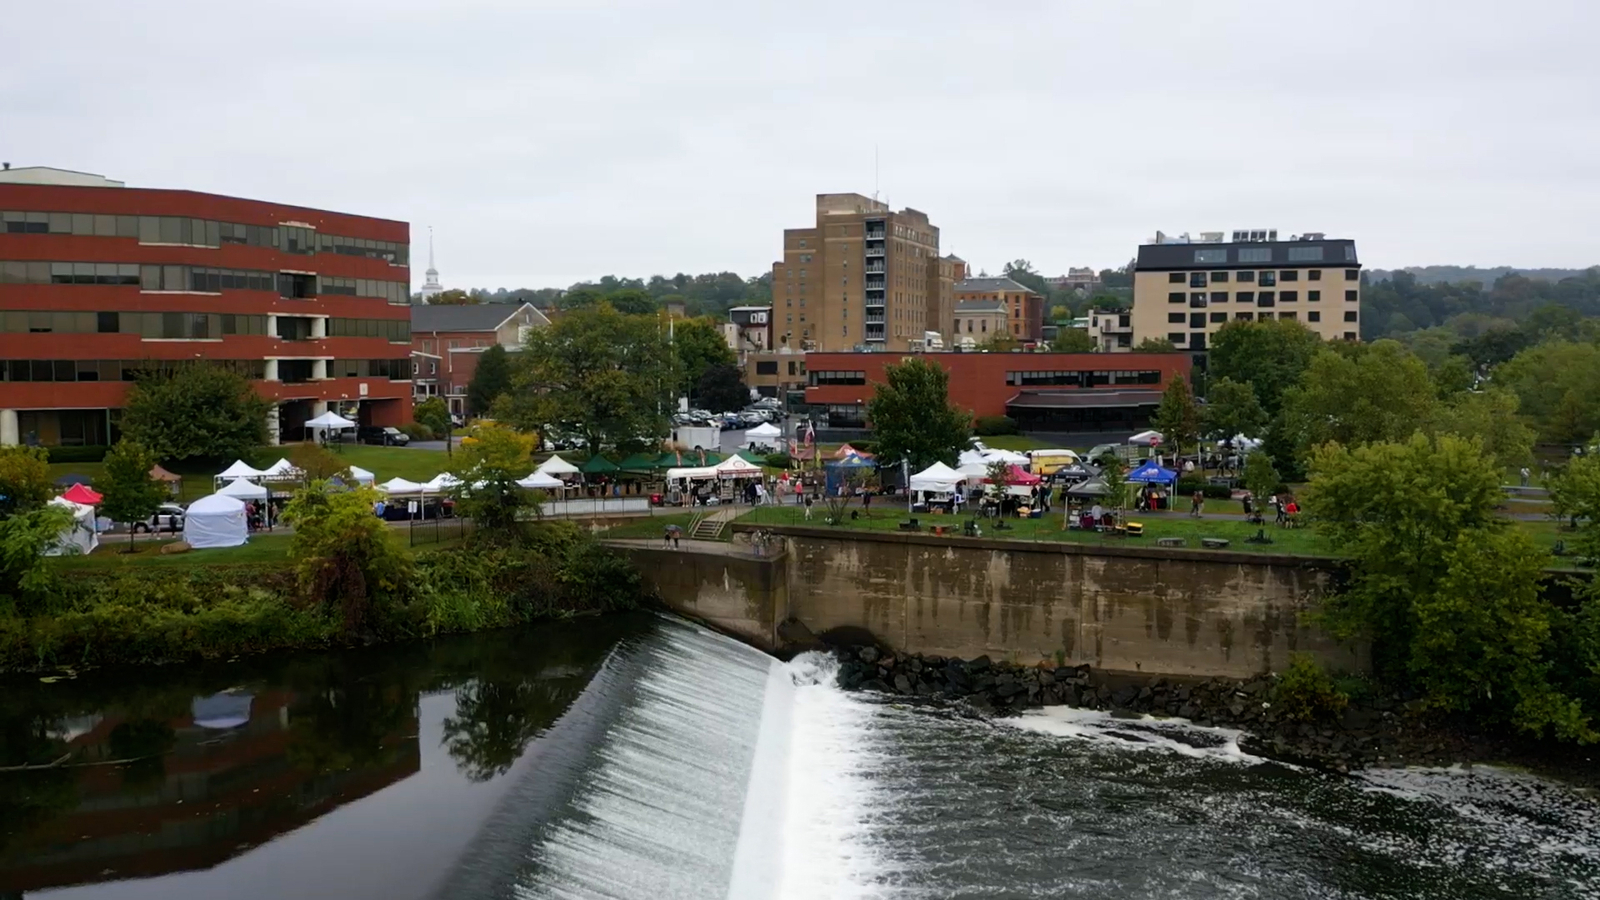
column 430, row 282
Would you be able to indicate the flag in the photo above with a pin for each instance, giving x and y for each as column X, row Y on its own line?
column 811, row 433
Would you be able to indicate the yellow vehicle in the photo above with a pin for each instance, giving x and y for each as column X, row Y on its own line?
column 1045, row 463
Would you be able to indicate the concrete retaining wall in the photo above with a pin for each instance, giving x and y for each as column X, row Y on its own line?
column 728, row 588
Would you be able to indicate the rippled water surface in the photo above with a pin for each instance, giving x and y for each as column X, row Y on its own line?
column 641, row 757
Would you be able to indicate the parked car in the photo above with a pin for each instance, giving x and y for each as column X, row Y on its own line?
column 168, row 518
column 385, row 435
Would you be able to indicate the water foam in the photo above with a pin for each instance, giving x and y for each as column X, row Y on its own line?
column 1144, row 732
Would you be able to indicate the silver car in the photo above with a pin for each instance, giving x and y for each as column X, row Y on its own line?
column 169, row 518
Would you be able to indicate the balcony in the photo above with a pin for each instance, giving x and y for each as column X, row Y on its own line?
column 877, row 284
column 877, row 234
column 876, row 317
column 875, row 333
column 875, row 268
column 874, row 250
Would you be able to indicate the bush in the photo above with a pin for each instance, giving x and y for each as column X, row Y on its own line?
column 92, row 454
column 1187, row 486
column 779, row 460
column 417, row 431
column 988, row 426
column 1306, row 693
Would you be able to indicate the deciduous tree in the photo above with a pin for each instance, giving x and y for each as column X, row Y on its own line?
column 700, row 346
column 1072, row 340
column 1155, row 345
column 453, row 297
column 912, row 416
column 433, row 414
column 348, row 560
column 1177, row 418
column 721, row 389
column 1231, row 410
column 195, row 411
column 490, row 380
column 488, row 468
column 1268, row 355
column 1355, row 396
column 128, row 493
column 24, row 479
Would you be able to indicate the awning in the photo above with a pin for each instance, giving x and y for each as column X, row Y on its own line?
column 1084, row 399
column 598, row 465
column 640, row 462
column 159, row 474
column 79, row 493
column 555, row 465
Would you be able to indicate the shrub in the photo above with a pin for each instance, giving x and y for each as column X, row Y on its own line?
column 77, row 454
column 1306, row 693
column 417, row 431
column 988, row 426
column 349, row 560
column 1187, row 486
column 779, row 460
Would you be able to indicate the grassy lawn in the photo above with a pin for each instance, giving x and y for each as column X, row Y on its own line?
column 264, row 548
column 651, row 526
column 1016, row 443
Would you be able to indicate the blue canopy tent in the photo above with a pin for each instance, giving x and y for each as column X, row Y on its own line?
column 836, row 471
column 1150, row 473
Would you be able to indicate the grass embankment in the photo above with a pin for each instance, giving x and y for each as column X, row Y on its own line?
column 653, row 526
column 112, row 553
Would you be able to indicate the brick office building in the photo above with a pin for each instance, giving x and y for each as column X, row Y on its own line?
column 1056, row 392
column 100, row 282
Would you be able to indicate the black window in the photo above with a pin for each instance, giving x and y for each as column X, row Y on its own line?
column 1287, row 315
column 1288, row 296
column 1246, row 276
column 1313, row 296
column 1268, row 279
column 1349, row 335
column 1175, row 278
column 1211, row 255
column 1350, row 315
column 1197, row 341
column 1175, row 318
column 1244, row 317
column 1219, row 277
column 1289, row 275
column 108, row 322
column 1265, row 298
column 767, row 367
column 1197, row 279
column 1246, row 296
column 1175, row 297
column 1197, row 320
column 1219, row 296
column 1350, row 296
column 1197, row 299
column 1314, row 275
column 1352, row 274
column 1219, row 317
column 1314, row 316
column 1176, row 337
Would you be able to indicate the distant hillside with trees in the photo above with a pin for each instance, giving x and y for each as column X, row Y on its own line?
column 709, row 294
column 1462, row 274
column 1402, row 303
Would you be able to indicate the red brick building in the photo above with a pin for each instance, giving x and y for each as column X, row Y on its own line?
column 1058, row 392
column 447, row 341
column 100, row 282
column 1024, row 307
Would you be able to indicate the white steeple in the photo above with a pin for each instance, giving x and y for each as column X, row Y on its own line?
column 430, row 282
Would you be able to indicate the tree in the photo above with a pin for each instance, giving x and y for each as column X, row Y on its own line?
column 433, row 414
column 1491, row 416
column 1155, row 345
column 1575, row 495
column 318, row 463
column 195, row 411
column 27, row 583
column 128, row 492
column 1231, row 410
column 1114, row 474
column 1072, row 340
column 488, row 469
column 348, row 560
column 490, row 379
column 453, row 297
column 1000, row 342
column 24, row 480
column 849, row 484
column 999, row 475
column 595, row 372
column 721, row 389
column 1268, row 355
column 632, row 302
column 1557, row 384
column 1261, row 479
column 1177, row 418
column 700, row 346
column 912, row 417
column 1358, row 395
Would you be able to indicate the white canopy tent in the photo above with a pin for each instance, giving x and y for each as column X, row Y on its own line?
column 281, row 469
column 240, row 469
column 79, row 536
column 1146, row 438
column 442, row 483
column 974, row 470
column 938, row 478
column 698, row 473
column 330, row 419
column 362, row 476
column 555, row 465
column 400, row 486
column 764, row 430
column 970, row 457
column 737, row 467
column 215, row 521
column 541, row 481
column 1008, row 456
column 244, row 489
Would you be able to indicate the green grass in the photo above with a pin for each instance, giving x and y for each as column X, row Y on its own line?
column 651, row 526
column 262, row 548
column 1015, row 443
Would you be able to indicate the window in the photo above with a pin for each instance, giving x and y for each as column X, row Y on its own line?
column 1287, row 315
column 1350, row 296
column 767, row 367
column 1314, row 275
column 1211, row 255
column 1197, row 279
column 1265, row 298
column 1219, row 296
column 1176, row 337
column 1197, row 299
column 1313, row 296
column 1352, row 274
column 1219, row 317
column 1314, row 316
column 1219, row 277
column 1244, row 317
column 108, row 323
column 836, row 378
column 1255, row 254
column 1197, row 320
column 1306, row 254
column 1268, row 279
column 1175, row 277
column 1245, row 276
column 1246, row 297
column 1288, row 296
column 1350, row 315
column 1175, row 318
column 296, row 287
column 1175, row 297
column 1350, row 253
column 1289, row 275
column 1349, row 335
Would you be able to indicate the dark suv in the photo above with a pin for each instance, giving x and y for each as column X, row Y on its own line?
column 387, row 435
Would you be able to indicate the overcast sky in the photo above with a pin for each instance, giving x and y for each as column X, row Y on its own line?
column 550, row 142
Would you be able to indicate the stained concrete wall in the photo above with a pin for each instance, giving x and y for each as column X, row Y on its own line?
column 723, row 585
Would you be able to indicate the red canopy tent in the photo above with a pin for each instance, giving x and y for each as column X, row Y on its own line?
column 1023, row 477
column 81, row 493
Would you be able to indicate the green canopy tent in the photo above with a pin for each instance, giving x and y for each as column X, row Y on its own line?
column 640, row 463
column 598, row 465
column 751, row 457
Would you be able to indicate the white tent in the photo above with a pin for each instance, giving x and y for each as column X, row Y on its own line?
column 555, row 465
column 737, row 467
column 441, row 483
column 970, row 457
column 281, row 469
column 362, row 476
column 1009, row 456
column 938, row 477
column 541, row 481
column 244, row 489
column 693, row 474
column 215, row 521
column 78, row 537
column 330, row 419
column 240, row 469
column 400, row 486
column 764, row 430
column 974, row 470
column 1146, row 438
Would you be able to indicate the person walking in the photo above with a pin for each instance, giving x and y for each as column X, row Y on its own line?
column 1197, row 504
column 1525, row 473
column 808, row 507
column 671, row 535
column 866, row 499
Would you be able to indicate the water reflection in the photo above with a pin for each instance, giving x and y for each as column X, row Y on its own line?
column 157, row 772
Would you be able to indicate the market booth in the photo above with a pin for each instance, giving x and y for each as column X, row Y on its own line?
column 215, row 521
column 937, row 485
column 1158, row 484
column 79, row 536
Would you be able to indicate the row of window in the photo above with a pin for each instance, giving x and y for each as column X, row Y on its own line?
column 201, row 233
column 202, row 279
column 189, row 325
column 1305, row 253
column 1198, row 320
column 1265, row 298
column 1082, row 379
column 289, row 370
column 1267, row 277
column 393, row 369
column 837, row 378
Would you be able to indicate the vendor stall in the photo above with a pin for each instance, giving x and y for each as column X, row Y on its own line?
column 215, row 521
column 79, row 535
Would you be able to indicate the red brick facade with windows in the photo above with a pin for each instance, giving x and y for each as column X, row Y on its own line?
column 91, row 288
column 996, row 384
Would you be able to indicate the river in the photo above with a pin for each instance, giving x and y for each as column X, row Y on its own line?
column 643, row 757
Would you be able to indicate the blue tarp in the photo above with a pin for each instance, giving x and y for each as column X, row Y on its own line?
column 837, row 470
column 1150, row 473
column 853, row 461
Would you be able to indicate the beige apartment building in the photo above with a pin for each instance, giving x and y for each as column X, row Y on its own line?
column 1025, row 307
column 864, row 277
column 978, row 321
column 1184, row 290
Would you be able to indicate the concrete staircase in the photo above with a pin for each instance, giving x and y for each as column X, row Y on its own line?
column 710, row 527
